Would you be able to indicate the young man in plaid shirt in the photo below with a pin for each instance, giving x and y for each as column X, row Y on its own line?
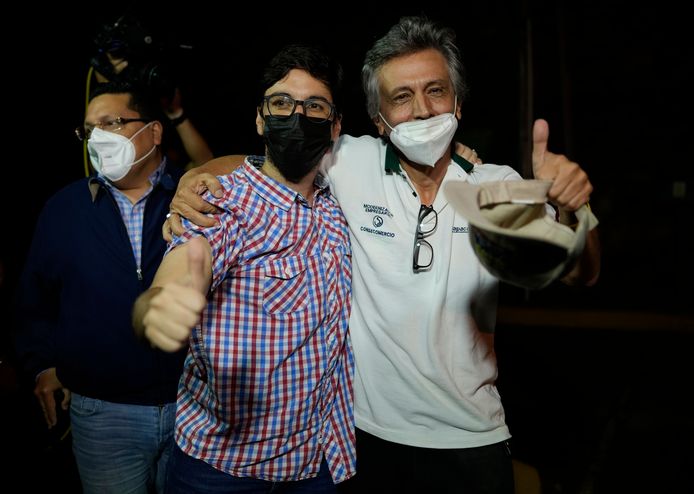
column 263, row 301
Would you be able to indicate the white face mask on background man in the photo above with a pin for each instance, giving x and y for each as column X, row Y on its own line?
column 424, row 141
column 113, row 155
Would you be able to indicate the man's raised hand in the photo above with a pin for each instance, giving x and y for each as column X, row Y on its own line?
column 571, row 188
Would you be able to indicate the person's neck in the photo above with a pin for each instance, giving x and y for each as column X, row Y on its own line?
column 305, row 186
column 426, row 179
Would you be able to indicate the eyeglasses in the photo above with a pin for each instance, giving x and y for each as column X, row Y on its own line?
column 84, row 132
column 282, row 105
column 423, row 252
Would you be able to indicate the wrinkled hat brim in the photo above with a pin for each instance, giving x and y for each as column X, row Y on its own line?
column 512, row 233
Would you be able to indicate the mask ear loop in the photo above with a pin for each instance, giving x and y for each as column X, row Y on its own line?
column 138, row 132
column 385, row 121
column 144, row 157
column 148, row 152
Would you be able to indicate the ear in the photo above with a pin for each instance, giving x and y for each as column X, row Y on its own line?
column 157, row 132
column 259, row 122
column 378, row 122
column 458, row 113
column 337, row 127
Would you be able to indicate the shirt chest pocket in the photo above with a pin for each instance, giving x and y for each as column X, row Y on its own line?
column 286, row 285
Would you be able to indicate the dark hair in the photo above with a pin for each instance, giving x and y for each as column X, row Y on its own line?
column 141, row 99
column 309, row 58
column 410, row 35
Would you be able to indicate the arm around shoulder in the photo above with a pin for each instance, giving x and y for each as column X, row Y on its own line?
column 187, row 201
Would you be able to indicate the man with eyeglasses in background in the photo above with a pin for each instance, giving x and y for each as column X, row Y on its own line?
column 262, row 300
column 96, row 247
column 428, row 415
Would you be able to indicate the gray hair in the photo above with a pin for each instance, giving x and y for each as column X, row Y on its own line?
column 410, row 35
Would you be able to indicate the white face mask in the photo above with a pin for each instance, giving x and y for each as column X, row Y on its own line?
column 113, row 155
column 424, row 141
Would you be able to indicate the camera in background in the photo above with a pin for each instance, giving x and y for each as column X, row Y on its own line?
column 127, row 51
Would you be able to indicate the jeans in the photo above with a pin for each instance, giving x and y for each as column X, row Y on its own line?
column 384, row 467
column 188, row 475
column 119, row 448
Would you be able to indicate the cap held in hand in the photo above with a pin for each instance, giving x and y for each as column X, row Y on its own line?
column 514, row 235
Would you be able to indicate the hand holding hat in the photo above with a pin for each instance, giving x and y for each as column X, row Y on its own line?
column 513, row 234
column 512, row 231
column 571, row 188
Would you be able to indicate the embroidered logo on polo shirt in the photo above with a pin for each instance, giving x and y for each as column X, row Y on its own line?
column 377, row 220
column 370, row 208
column 377, row 232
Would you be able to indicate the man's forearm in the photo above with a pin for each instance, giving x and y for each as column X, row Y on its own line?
column 587, row 268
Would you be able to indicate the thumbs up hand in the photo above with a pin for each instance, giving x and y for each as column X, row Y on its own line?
column 175, row 309
column 571, row 188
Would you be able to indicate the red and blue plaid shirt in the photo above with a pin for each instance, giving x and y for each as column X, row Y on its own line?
column 266, row 390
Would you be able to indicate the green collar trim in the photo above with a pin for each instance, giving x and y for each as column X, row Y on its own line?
column 392, row 160
column 392, row 164
column 464, row 164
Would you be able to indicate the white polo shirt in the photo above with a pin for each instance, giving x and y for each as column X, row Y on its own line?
column 423, row 342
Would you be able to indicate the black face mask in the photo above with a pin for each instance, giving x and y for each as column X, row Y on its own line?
column 296, row 144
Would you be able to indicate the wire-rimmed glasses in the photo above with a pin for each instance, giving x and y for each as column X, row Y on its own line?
column 84, row 132
column 423, row 252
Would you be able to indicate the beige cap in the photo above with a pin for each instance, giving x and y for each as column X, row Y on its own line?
column 513, row 234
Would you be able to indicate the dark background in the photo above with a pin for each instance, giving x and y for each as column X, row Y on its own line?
column 594, row 381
